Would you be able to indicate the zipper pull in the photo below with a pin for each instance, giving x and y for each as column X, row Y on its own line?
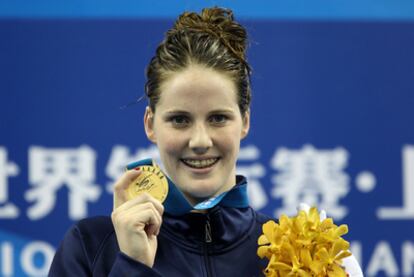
column 208, row 231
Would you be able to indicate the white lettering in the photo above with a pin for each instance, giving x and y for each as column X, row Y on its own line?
column 53, row 168
column 408, row 258
column 407, row 210
column 248, row 165
column 382, row 260
column 7, row 169
column 28, row 258
column 7, row 259
column 313, row 176
column 356, row 250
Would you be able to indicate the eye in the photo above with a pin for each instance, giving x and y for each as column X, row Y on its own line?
column 218, row 119
column 179, row 121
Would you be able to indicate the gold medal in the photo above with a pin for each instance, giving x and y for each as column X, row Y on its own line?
column 152, row 181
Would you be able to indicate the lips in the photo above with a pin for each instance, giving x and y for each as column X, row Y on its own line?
column 200, row 163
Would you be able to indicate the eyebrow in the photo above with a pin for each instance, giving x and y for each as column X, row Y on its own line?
column 172, row 112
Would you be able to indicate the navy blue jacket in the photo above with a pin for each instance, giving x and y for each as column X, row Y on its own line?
column 222, row 242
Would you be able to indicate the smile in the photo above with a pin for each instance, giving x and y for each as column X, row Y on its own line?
column 200, row 163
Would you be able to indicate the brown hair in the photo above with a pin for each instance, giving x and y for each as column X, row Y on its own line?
column 212, row 39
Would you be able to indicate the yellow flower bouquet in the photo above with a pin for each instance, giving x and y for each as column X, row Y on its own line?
column 304, row 245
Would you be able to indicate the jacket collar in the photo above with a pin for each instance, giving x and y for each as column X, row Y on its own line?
column 224, row 226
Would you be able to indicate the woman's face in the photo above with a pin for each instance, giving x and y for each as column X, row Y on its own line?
column 197, row 127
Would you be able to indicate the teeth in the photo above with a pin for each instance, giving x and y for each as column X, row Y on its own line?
column 200, row 163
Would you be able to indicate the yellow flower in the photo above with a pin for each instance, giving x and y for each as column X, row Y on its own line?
column 303, row 246
column 329, row 262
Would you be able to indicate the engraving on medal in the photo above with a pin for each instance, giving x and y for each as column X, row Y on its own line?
column 152, row 181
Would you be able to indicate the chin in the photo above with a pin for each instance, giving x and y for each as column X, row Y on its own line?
column 201, row 190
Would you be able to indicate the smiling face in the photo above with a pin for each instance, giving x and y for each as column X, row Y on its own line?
column 197, row 127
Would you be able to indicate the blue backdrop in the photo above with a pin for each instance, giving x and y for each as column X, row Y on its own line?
column 332, row 117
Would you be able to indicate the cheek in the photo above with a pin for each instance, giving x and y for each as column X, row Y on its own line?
column 170, row 144
column 230, row 144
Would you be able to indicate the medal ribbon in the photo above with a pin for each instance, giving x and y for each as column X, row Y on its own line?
column 176, row 204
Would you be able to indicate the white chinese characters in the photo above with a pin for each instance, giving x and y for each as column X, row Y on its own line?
column 7, row 169
column 50, row 169
column 312, row 176
column 253, row 171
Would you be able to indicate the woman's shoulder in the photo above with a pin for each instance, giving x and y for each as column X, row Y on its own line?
column 81, row 249
column 95, row 231
column 97, row 225
column 93, row 234
column 262, row 218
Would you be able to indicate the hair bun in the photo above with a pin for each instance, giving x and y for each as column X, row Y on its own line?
column 218, row 22
column 211, row 38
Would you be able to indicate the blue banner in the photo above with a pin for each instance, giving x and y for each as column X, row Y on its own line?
column 400, row 10
column 332, row 123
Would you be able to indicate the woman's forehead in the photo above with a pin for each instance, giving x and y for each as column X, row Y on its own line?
column 198, row 86
column 197, row 102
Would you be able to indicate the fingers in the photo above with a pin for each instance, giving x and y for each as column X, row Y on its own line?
column 137, row 221
column 143, row 213
column 143, row 217
column 121, row 186
column 142, row 198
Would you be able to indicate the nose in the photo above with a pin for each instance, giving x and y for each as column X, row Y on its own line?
column 200, row 140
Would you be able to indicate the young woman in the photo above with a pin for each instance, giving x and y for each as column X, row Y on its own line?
column 198, row 89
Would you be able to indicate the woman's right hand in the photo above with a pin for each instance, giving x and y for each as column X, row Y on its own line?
column 137, row 221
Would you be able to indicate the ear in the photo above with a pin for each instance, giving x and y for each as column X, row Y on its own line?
column 149, row 124
column 246, row 124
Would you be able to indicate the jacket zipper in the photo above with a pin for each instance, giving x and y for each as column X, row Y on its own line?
column 207, row 241
column 208, row 238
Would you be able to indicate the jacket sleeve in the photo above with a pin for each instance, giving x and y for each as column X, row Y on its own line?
column 125, row 266
column 71, row 259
